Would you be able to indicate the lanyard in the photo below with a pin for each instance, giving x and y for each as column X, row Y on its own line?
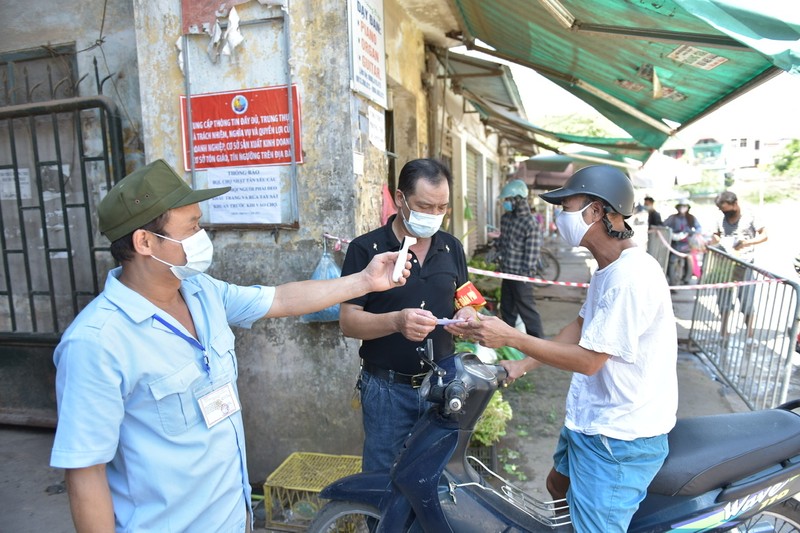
column 191, row 340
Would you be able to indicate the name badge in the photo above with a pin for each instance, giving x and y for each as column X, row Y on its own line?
column 219, row 404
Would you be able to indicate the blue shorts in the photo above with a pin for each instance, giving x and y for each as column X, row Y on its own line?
column 608, row 478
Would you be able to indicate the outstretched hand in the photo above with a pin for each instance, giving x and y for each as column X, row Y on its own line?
column 379, row 272
column 488, row 331
column 517, row 369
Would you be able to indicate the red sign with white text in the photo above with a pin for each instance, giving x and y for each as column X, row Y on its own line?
column 242, row 128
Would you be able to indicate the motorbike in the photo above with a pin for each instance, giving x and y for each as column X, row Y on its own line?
column 728, row 472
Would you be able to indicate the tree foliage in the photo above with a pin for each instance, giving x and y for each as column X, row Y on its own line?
column 787, row 161
column 578, row 124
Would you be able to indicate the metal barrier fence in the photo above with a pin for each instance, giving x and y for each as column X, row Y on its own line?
column 745, row 321
column 657, row 247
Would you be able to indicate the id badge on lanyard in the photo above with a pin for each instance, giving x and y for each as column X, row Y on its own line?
column 221, row 402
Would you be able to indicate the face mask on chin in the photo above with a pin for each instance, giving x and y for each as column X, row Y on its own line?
column 572, row 227
column 421, row 225
column 199, row 252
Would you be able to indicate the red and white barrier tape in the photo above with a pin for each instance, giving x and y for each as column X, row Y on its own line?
column 337, row 245
column 723, row 285
column 515, row 277
column 669, row 247
column 540, row 281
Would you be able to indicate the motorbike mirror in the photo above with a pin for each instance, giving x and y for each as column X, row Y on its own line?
column 426, row 356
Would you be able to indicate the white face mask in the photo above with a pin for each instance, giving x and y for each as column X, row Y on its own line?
column 421, row 225
column 199, row 251
column 572, row 227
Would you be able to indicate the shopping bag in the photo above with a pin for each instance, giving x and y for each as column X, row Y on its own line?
column 326, row 269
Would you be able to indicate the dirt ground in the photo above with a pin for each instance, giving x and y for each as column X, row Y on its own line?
column 538, row 403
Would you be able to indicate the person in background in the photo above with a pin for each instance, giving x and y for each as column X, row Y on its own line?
column 518, row 247
column 622, row 349
column 738, row 233
column 393, row 324
column 150, row 427
column 653, row 216
column 683, row 225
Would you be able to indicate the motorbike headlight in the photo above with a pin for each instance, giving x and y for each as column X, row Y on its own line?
column 479, row 370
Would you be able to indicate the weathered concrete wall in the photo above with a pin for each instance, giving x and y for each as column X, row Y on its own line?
column 296, row 380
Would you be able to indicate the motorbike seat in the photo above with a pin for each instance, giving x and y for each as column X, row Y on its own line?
column 710, row 452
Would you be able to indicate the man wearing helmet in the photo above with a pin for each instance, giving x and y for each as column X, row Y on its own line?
column 519, row 245
column 622, row 350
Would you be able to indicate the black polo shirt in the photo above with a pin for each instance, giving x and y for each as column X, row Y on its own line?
column 432, row 287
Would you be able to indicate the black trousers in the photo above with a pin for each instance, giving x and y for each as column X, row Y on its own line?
column 516, row 298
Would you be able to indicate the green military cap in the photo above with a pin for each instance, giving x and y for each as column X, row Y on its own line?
column 144, row 195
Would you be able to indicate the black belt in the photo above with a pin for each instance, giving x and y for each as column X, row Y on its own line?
column 415, row 380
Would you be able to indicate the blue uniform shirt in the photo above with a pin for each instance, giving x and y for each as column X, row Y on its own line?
column 127, row 389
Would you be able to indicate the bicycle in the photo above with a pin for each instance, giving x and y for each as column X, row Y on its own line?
column 547, row 267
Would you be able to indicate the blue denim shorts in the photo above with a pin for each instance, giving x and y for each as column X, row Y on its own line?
column 608, row 478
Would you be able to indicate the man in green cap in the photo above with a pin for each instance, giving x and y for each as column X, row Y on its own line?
column 150, row 427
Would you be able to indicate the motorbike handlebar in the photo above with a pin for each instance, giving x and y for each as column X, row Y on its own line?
column 455, row 395
column 501, row 373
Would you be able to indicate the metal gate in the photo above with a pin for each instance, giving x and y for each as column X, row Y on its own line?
column 57, row 160
column 745, row 321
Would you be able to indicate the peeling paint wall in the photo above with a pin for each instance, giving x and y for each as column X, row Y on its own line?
column 295, row 379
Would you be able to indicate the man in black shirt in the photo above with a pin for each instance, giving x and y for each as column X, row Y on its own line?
column 653, row 216
column 393, row 324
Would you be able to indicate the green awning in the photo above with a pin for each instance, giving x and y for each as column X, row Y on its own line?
column 546, row 171
column 626, row 147
column 771, row 27
column 652, row 68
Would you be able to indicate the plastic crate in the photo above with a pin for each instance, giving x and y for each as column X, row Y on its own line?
column 291, row 492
